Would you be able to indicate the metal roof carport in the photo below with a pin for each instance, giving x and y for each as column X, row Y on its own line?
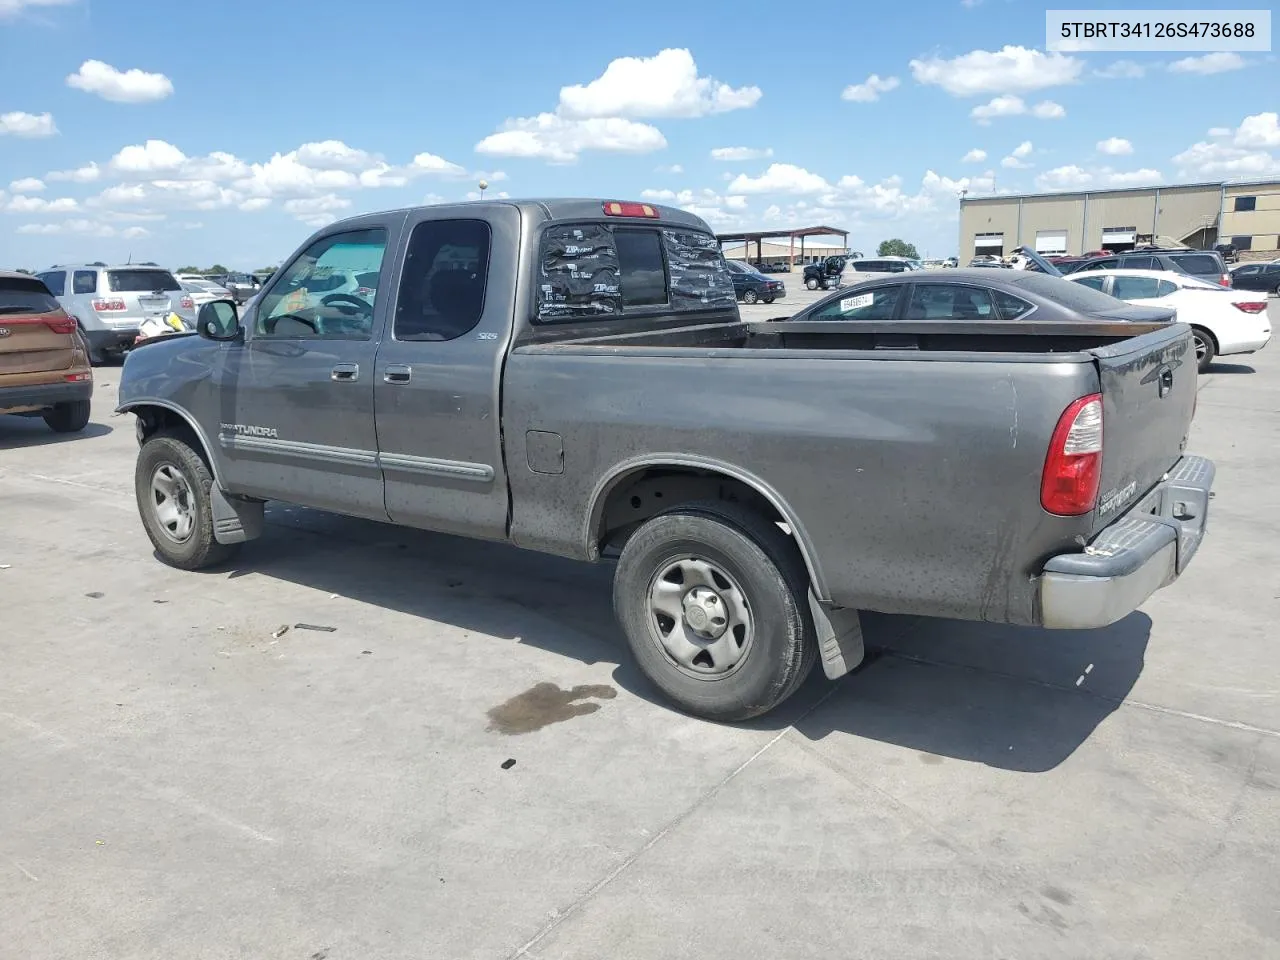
column 746, row 239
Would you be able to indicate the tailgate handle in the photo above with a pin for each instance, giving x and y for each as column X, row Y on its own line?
column 1166, row 381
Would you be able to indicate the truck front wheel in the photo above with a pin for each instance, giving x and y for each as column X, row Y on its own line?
column 712, row 598
column 172, row 484
column 811, row 283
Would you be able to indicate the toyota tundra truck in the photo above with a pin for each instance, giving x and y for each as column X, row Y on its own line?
column 573, row 376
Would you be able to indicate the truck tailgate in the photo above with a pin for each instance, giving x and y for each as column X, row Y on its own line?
column 1148, row 398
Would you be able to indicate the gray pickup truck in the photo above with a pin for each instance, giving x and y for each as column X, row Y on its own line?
column 572, row 376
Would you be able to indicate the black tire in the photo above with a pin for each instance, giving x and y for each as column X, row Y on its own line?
column 1276, row 291
column 769, row 299
column 768, row 568
column 69, row 417
column 200, row 549
column 811, row 283
column 96, row 357
column 750, row 296
column 1206, row 348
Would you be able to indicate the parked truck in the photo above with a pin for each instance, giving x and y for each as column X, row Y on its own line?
column 572, row 376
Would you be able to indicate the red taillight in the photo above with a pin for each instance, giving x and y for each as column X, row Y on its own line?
column 78, row 377
column 1251, row 307
column 1073, row 466
column 108, row 306
column 1226, row 280
column 612, row 208
column 63, row 325
column 186, row 303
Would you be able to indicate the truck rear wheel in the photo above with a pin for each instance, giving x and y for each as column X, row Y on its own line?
column 172, row 484
column 713, row 600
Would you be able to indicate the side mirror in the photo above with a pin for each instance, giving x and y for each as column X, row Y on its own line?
column 219, row 320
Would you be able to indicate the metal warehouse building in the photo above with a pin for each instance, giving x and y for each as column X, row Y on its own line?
column 1244, row 213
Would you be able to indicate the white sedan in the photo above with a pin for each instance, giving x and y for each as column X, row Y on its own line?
column 1224, row 320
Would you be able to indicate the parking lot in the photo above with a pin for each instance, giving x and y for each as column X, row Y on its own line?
column 448, row 754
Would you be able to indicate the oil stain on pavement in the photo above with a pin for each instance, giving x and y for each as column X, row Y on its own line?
column 545, row 704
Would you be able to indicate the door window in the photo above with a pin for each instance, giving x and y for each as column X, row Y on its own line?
column 1095, row 282
column 320, row 294
column 84, row 281
column 1009, row 307
column 1100, row 265
column 1140, row 263
column 1136, row 288
column 56, row 281
column 876, row 304
column 446, row 269
column 948, row 301
column 1198, row 264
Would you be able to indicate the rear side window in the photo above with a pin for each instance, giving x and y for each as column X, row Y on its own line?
column 1140, row 263
column 446, row 269
column 1100, row 265
column 25, row 295
column 877, row 304
column 1095, row 282
column 56, row 281
column 868, row 266
column 85, row 281
column 1070, row 293
column 590, row 270
column 947, row 301
column 1009, row 307
column 1198, row 264
column 140, row 281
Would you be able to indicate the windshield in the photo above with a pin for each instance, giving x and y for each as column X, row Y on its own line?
column 140, row 281
column 18, row 295
column 1069, row 293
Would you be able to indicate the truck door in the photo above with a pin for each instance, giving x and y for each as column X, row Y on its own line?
column 439, row 371
column 296, row 418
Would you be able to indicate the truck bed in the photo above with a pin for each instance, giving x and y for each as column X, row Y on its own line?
column 909, row 454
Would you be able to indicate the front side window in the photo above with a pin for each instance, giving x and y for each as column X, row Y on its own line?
column 84, row 281
column 1140, row 263
column 1247, row 271
column 56, row 281
column 1100, row 265
column 876, row 304
column 1135, row 288
column 947, row 301
column 319, row 295
column 868, row 266
column 442, row 290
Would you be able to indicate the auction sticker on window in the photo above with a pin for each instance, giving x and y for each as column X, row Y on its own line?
column 1213, row 31
column 858, row 302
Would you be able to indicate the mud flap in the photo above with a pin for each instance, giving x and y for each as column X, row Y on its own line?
column 235, row 520
column 839, row 635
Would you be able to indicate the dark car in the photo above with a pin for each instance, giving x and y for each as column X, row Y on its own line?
column 1201, row 264
column 751, row 286
column 1227, row 251
column 975, row 295
column 824, row 274
column 1257, row 276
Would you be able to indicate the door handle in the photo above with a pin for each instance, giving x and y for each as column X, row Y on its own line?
column 345, row 372
column 397, row 373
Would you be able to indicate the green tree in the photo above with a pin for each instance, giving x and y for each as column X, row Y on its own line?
column 219, row 268
column 897, row 248
column 190, row 270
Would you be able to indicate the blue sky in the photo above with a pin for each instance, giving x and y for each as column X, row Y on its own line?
column 181, row 133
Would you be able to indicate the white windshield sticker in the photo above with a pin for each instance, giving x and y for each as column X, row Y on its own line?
column 855, row 303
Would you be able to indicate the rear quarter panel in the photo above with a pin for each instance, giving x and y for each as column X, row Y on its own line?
column 913, row 483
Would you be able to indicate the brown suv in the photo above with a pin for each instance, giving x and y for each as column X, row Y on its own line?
column 44, row 360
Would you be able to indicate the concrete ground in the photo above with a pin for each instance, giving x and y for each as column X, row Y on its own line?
column 467, row 765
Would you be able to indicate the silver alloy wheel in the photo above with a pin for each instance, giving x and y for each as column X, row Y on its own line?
column 1201, row 346
column 171, row 500
column 700, row 618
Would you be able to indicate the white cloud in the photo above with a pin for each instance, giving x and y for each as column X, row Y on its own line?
column 1121, row 70
column 1219, row 131
column 551, row 137
column 1115, row 146
column 664, row 85
column 27, row 185
column 86, row 174
column 430, row 163
column 1132, row 178
column 870, row 89
column 974, row 156
column 254, row 204
column 1048, row 110
column 500, row 195
column 129, row 86
column 1003, row 106
column 1259, row 130
column 21, row 204
column 135, row 233
column 1210, row 63
column 669, row 168
column 92, row 228
column 152, row 157
column 741, row 153
column 334, row 155
column 735, row 202
column 1024, row 149
column 1008, row 70
column 1070, row 177
column 11, row 8
column 316, row 211
column 780, row 178
column 27, row 125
